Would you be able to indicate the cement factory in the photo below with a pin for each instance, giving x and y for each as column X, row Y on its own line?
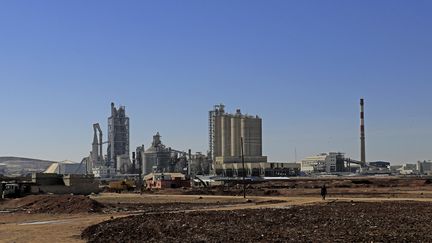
column 223, row 159
column 157, row 158
column 234, row 153
column 235, row 150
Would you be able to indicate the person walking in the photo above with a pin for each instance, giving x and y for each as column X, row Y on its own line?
column 323, row 192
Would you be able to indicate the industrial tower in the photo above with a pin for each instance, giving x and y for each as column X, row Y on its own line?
column 362, row 133
column 118, row 134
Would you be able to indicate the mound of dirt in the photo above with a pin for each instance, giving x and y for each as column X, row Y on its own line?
column 329, row 222
column 55, row 204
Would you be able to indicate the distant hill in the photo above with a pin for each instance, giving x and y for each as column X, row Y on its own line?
column 15, row 159
column 18, row 166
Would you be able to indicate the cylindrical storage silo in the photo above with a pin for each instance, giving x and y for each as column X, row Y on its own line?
column 226, row 135
column 235, row 136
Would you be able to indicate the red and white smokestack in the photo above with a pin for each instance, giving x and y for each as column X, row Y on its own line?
column 362, row 133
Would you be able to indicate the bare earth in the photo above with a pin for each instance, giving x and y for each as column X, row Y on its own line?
column 389, row 221
column 21, row 226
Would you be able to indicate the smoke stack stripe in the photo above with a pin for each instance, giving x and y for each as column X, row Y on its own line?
column 362, row 132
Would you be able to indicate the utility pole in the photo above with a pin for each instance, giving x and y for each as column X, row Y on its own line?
column 244, row 171
column 140, row 171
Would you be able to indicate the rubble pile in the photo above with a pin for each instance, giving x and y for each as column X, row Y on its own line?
column 55, row 204
column 398, row 221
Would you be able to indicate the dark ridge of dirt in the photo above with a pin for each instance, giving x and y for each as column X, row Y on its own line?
column 234, row 191
column 159, row 207
column 330, row 222
column 173, row 207
column 54, row 204
column 344, row 183
column 73, row 204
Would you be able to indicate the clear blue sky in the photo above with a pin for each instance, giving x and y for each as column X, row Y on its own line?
column 301, row 65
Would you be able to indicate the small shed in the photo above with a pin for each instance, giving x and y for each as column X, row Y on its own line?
column 166, row 180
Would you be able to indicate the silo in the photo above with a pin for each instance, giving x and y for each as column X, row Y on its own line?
column 149, row 161
column 157, row 157
column 257, row 136
column 252, row 135
column 217, row 136
column 236, row 134
column 226, row 135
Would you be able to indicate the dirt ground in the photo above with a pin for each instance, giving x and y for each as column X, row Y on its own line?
column 325, row 222
column 22, row 225
column 57, row 224
column 53, row 204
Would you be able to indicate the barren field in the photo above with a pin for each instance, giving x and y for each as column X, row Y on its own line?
column 52, row 218
column 382, row 210
column 326, row 222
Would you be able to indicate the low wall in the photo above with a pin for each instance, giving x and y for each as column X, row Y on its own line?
column 59, row 189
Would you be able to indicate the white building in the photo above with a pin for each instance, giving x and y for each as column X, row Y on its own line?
column 408, row 169
column 103, row 172
column 331, row 162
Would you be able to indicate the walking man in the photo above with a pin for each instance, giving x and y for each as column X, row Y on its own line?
column 323, row 192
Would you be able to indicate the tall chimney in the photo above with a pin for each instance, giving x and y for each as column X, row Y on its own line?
column 362, row 133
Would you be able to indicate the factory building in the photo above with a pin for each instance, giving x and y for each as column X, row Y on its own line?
column 118, row 135
column 123, row 164
column 424, row 167
column 407, row 169
column 261, row 169
column 63, row 184
column 226, row 131
column 329, row 163
column 419, row 168
column 225, row 148
column 166, row 180
column 225, row 134
column 199, row 164
column 158, row 158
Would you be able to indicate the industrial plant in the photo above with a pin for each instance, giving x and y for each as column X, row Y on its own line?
column 234, row 165
column 235, row 150
column 336, row 162
column 157, row 158
column 117, row 159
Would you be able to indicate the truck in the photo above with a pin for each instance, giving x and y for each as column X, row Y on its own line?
column 120, row 186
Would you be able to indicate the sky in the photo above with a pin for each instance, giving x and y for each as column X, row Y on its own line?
column 300, row 65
